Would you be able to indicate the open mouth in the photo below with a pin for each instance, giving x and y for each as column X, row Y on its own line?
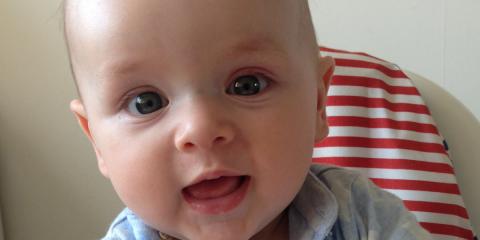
column 217, row 196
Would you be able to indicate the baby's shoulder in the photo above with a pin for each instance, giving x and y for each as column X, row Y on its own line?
column 352, row 188
column 336, row 178
column 359, row 199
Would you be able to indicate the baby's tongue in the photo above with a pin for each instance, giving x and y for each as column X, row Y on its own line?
column 214, row 188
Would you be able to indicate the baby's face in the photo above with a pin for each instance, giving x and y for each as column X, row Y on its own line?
column 203, row 114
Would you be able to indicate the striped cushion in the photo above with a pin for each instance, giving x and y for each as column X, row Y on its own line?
column 380, row 126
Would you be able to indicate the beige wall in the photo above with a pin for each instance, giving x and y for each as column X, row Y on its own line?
column 48, row 176
column 1, row 226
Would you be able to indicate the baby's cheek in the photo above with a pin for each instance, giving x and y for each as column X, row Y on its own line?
column 140, row 173
column 147, row 191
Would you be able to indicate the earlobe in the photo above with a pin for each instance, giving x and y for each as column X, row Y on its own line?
column 101, row 163
column 326, row 68
column 78, row 109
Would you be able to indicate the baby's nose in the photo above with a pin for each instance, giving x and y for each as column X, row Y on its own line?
column 203, row 127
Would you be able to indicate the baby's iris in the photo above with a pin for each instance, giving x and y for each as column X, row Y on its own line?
column 247, row 85
column 147, row 102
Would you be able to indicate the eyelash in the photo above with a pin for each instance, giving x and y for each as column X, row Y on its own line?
column 127, row 98
column 251, row 71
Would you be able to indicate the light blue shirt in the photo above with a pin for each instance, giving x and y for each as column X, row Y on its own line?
column 333, row 204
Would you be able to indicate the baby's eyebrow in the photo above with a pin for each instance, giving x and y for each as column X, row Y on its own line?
column 250, row 46
column 256, row 45
column 120, row 67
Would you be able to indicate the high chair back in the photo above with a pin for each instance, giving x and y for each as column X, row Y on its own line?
column 381, row 126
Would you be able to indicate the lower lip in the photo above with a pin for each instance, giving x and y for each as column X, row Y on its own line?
column 219, row 205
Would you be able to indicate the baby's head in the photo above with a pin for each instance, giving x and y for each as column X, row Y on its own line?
column 191, row 146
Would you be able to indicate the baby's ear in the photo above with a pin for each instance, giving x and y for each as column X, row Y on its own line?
column 325, row 68
column 78, row 109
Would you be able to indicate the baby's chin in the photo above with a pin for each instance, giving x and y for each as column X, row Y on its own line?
column 219, row 234
column 230, row 230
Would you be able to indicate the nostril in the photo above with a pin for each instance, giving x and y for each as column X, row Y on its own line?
column 201, row 143
column 219, row 139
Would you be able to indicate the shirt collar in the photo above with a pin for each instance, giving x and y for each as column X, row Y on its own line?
column 314, row 210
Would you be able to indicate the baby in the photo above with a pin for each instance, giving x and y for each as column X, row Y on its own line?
column 203, row 115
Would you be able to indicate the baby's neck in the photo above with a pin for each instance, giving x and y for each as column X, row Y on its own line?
column 277, row 229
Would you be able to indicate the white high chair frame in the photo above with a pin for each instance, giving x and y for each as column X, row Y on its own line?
column 461, row 129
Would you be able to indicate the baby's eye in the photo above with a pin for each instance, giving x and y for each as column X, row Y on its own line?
column 247, row 85
column 147, row 102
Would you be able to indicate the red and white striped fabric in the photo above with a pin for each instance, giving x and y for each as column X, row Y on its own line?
column 380, row 126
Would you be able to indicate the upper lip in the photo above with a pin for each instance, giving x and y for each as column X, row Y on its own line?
column 209, row 175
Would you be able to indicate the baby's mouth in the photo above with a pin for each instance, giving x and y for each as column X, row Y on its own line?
column 214, row 188
column 215, row 196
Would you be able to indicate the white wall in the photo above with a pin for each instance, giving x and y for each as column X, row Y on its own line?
column 438, row 39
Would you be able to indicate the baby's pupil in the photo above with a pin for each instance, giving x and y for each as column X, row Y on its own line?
column 148, row 102
column 247, row 85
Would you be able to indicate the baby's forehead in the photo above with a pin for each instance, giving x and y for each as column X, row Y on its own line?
column 98, row 30
column 103, row 16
